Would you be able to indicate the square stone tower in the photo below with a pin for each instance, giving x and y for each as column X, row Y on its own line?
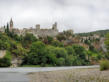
column 54, row 26
column 38, row 27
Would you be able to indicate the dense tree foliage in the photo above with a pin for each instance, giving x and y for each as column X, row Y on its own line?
column 107, row 45
column 102, row 33
column 6, row 60
column 27, row 40
column 46, row 51
column 37, row 54
column 41, row 54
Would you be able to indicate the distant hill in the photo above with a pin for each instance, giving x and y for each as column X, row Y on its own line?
column 102, row 33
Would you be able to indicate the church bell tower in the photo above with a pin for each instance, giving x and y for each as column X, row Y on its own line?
column 11, row 25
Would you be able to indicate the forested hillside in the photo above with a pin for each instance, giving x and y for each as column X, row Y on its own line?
column 48, row 51
column 102, row 33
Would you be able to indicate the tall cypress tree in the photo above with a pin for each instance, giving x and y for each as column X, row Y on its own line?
column 7, row 27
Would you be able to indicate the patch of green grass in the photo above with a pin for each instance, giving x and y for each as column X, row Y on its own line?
column 104, row 65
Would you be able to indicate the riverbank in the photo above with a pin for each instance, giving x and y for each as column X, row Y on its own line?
column 43, row 69
column 74, row 75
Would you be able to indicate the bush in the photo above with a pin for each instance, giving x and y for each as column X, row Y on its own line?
column 61, row 62
column 37, row 54
column 6, row 60
column 104, row 65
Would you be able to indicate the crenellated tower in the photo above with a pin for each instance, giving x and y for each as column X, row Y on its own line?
column 54, row 26
column 38, row 26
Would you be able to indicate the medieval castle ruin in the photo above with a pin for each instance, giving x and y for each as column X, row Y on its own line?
column 37, row 31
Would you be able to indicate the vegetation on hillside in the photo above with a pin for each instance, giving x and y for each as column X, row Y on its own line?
column 45, row 51
column 104, row 65
column 102, row 33
column 6, row 60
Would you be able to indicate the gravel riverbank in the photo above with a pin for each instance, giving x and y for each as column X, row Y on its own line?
column 74, row 75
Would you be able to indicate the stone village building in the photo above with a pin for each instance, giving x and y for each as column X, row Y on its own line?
column 37, row 31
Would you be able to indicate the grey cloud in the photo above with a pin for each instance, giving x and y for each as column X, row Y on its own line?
column 79, row 15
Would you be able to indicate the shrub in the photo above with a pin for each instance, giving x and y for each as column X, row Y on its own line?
column 37, row 54
column 6, row 60
column 104, row 65
column 61, row 62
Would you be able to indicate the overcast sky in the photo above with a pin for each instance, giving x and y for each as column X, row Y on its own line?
column 79, row 15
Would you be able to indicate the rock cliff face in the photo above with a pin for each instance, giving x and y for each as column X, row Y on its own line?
column 2, row 53
column 103, row 46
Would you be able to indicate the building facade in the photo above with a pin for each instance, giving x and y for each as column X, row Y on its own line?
column 37, row 31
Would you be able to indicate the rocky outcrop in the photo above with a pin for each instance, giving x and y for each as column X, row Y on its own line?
column 103, row 45
column 2, row 53
column 16, row 62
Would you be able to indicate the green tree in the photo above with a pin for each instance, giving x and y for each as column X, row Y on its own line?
column 19, row 51
column 69, row 60
column 7, row 29
column 61, row 62
column 57, row 43
column 2, row 45
column 81, row 53
column 91, row 47
column 37, row 54
column 70, row 50
column 107, row 45
column 107, row 41
column 50, row 39
column 51, row 57
column 6, row 60
column 61, row 37
column 60, row 52
column 28, row 39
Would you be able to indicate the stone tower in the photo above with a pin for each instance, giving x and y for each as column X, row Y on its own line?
column 54, row 26
column 38, row 26
column 11, row 25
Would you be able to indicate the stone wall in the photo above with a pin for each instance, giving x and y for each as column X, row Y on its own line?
column 35, row 31
column 41, row 32
column 46, row 32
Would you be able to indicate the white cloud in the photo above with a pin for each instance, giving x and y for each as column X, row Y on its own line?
column 80, row 15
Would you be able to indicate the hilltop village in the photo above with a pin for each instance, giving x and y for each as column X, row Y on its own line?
column 37, row 31
column 36, row 46
column 67, row 37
